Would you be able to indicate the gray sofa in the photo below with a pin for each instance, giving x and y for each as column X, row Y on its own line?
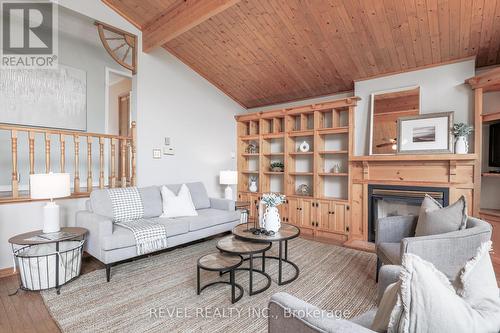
column 288, row 313
column 111, row 243
column 395, row 236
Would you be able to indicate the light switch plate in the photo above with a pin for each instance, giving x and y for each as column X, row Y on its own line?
column 157, row 153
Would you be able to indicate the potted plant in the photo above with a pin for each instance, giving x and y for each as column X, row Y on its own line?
column 277, row 166
column 461, row 131
column 272, row 221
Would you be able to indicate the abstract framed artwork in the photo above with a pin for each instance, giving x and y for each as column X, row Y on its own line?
column 425, row 134
column 53, row 98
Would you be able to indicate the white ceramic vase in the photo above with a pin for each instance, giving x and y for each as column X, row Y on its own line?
column 253, row 186
column 461, row 145
column 272, row 219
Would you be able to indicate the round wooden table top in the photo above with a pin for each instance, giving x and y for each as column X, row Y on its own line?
column 287, row 231
column 23, row 239
column 231, row 244
column 219, row 261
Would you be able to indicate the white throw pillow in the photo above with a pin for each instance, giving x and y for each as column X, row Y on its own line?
column 177, row 205
column 428, row 302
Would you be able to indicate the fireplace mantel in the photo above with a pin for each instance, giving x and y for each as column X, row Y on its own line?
column 458, row 173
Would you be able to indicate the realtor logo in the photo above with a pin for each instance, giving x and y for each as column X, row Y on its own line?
column 29, row 34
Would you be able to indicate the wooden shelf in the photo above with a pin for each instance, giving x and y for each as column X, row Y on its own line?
column 301, row 153
column 273, row 136
column 273, row 173
column 250, row 154
column 488, row 211
column 433, row 157
column 343, row 200
column 336, row 130
column 490, row 174
column 488, row 117
column 332, row 152
column 301, row 174
column 249, row 137
column 251, row 172
column 332, row 174
column 301, row 133
column 274, row 154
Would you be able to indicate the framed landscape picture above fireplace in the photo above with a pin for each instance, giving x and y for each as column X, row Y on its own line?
column 425, row 134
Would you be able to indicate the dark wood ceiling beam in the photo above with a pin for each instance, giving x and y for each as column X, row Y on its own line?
column 181, row 17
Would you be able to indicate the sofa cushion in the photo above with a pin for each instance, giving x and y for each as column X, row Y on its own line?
column 198, row 193
column 120, row 238
column 174, row 227
column 209, row 217
column 101, row 203
column 123, row 237
column 389, row 253
column 151, row 200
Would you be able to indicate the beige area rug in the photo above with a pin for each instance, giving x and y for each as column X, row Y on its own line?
column 158, row 294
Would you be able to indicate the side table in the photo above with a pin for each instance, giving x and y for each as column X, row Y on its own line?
column 23, row 242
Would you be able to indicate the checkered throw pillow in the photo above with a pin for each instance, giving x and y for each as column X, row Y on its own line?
column 127, row 204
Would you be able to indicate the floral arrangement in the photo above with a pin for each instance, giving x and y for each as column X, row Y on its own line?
column 273, row 199
column 462, row 129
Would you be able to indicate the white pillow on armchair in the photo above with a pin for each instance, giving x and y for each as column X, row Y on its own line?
column 424, row 300
column 177, row 205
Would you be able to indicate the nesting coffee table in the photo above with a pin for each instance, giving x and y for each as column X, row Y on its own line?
column 286, row 233
column 235, row 246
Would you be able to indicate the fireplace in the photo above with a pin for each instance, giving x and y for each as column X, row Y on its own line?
column 388, row 200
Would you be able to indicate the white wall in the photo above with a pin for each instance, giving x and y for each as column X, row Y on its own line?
column 175, row 102
column 168, row 99
column 442, row 89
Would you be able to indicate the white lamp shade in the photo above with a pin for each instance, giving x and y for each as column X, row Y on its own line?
column 228, row 177
column 50, row 185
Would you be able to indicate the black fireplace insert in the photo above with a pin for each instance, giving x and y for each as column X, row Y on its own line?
column 389, row 200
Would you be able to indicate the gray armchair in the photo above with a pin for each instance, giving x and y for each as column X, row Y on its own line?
column 448, row 251
column 290, row 314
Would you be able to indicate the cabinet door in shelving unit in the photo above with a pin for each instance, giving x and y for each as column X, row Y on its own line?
column 293, row 211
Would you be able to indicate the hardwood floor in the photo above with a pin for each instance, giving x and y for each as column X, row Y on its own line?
column 26, row 312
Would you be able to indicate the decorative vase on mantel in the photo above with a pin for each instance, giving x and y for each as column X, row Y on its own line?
column 461, row 131
column 461, row 145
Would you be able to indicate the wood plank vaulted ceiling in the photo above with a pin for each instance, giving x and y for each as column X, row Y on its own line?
column 262, row 52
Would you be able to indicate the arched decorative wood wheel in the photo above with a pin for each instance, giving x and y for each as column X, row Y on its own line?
column 121, row 45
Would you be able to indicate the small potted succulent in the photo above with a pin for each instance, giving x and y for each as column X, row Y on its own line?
column 461, row 131
column 277, row 166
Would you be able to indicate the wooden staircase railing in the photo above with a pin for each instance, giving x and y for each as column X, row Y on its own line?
column 124, row 177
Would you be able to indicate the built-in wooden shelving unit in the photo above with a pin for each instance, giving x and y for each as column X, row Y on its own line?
column 487, row 182
column 490, row 117
column 328, row 130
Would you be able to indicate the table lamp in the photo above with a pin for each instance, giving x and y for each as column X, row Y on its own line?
column 228, row 177
column 50, row 186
